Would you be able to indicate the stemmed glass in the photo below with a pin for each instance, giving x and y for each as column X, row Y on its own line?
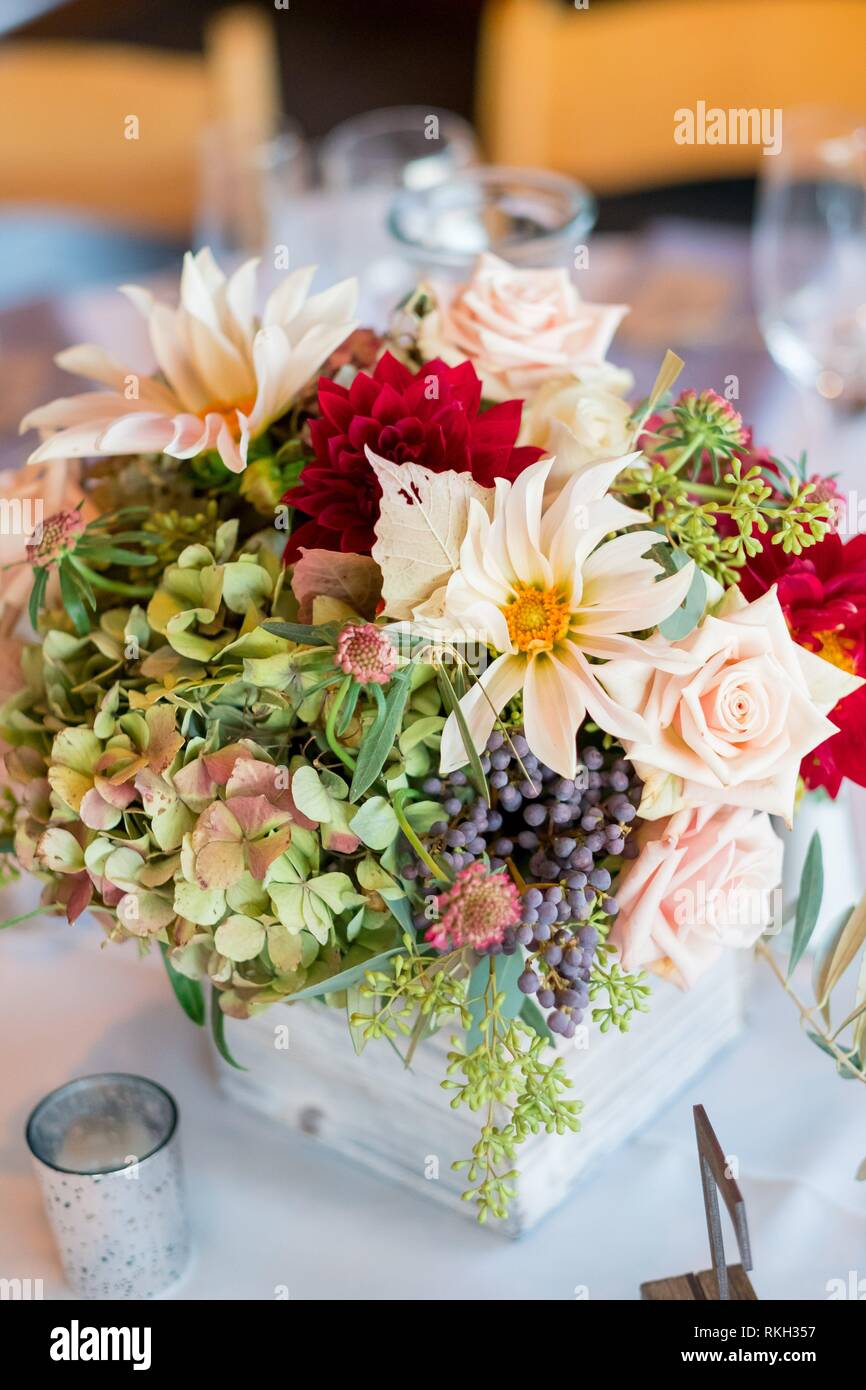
column 810, row 254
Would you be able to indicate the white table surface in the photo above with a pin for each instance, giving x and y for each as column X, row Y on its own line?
column 272, row 1210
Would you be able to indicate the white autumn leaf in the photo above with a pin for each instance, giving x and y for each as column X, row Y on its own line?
column 422, row 521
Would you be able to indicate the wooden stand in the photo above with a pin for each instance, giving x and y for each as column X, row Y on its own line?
column 723, row 1281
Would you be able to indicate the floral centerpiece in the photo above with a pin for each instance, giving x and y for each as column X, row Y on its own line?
column 421, row 673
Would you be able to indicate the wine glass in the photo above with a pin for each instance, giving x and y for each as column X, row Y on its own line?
column 245, row 186
column 810, row 254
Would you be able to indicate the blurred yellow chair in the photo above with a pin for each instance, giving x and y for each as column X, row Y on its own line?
column 593, row 91
column 114, row 130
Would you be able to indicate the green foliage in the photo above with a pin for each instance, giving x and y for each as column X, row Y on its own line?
column 510, row 1078
column 688, row 511
column 624, row 994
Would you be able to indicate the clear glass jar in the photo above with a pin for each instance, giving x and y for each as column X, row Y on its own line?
column 530, row 217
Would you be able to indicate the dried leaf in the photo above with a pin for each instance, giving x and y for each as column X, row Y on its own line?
column 860, row 998
column 422, row 521
column 668, row 372
column 355, row 579
column 848, row 944
column 860, row 1175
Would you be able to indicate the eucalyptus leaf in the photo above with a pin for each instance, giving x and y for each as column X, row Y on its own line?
column 218, row 1031
column 851, row 938
column 451, row 700
column 507, row 970
column 808, row 900
column 308, row 635
column 685, row 618
column 345, row 979
column 377, row 744
column 187, row 992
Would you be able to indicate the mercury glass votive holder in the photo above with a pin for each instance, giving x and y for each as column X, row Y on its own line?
column 106, row 1153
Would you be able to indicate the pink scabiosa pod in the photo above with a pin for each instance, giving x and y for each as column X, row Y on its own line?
column 54, row 537
column 476, row 910
column 710, row 422
column 366, row 652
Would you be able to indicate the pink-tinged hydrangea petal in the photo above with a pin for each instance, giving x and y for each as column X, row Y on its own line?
column 215, row 823
column 194, row 784
column 96, row 813
column 110, row 895
column 256, row 815
column 262, row 853
column 156, row 795
column 70, row 785
column 119, row 795
column 221, row 764
column 219, row 864
column 118, row 765
column 336, row 834
column 143, row 914
column 76, row 893
column 252, row 777
column 59, row 851
column 164, row 741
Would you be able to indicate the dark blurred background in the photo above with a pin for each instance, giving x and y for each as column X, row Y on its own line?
column 342, row 57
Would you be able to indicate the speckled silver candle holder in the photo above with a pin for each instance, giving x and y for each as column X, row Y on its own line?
column 105, row 1149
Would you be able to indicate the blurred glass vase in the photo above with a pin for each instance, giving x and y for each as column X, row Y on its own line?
column 528, row 216
column 398, row 146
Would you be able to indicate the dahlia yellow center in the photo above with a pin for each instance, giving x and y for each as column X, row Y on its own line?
column 537, row 618
column 228, row 410
column 838, row 650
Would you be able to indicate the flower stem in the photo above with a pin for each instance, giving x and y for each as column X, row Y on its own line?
column 112, row 586
column 331, row 725
column 416, row 844
column 806, row 1014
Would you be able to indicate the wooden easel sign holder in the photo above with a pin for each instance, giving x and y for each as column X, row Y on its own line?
column 723, row 1281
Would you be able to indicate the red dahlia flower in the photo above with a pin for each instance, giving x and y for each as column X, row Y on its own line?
column 823, row 595
column 430, row 417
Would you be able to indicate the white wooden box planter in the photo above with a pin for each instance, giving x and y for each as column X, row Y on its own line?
column 394, row 1121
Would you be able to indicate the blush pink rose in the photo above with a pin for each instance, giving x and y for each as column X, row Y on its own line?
column 519, row 328
column 730, row 711
column 704, row 880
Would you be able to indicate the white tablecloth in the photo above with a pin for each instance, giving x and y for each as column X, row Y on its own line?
column 272, row 1210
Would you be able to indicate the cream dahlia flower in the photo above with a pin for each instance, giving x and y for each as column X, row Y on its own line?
column 535, row 584
column 224, row 375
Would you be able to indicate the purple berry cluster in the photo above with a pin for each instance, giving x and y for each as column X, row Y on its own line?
column 557, row 832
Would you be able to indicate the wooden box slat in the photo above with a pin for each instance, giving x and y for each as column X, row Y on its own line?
column 696, row 1288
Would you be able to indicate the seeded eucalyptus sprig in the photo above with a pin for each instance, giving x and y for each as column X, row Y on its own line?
column 505, row 1071
column 689, row 512
column 85, row 556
